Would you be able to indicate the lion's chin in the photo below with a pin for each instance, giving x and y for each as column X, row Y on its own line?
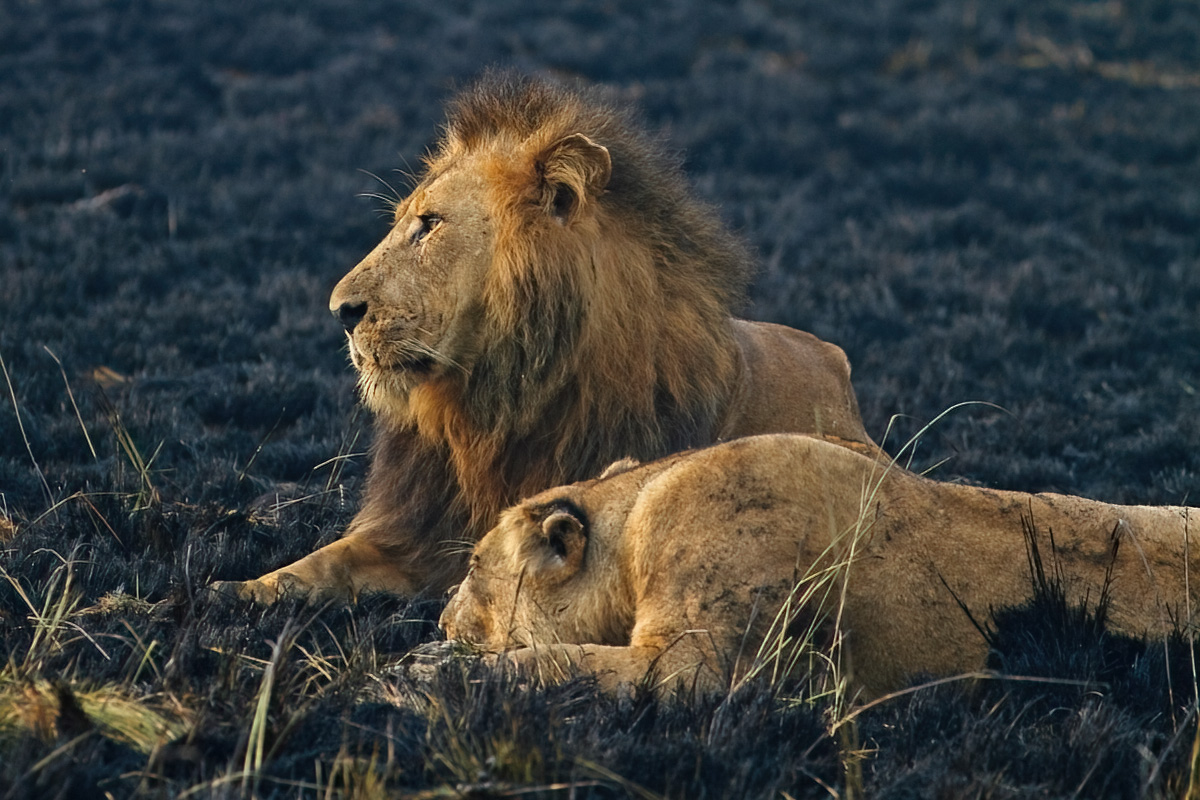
column 387, row 392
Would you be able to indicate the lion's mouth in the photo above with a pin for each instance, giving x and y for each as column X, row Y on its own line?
column 411, row 363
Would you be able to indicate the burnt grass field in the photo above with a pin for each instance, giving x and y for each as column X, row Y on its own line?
column 980, row 201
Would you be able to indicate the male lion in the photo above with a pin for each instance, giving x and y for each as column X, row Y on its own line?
column 695, row 565
column 550, row 298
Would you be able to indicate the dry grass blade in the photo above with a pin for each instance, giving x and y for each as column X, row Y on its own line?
column 8, row 528
column 50, row 617
column 147, row 496
column 256, row 740
column 74, row 405
column 1193, row 790
column 12, row 393
column 626, row 784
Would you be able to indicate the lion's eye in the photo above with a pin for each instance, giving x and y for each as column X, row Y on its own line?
column 422, row 226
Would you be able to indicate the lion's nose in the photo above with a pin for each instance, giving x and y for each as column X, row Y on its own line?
column 350, row 314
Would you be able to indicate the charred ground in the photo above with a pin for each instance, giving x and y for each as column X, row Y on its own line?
column 995, row 202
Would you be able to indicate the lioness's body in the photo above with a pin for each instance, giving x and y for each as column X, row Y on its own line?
column 685, row 563
column 550, row 299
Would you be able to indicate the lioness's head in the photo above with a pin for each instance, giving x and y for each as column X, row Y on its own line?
column 541, row 575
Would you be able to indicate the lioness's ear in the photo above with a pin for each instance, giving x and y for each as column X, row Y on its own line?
column 565, row 539
column 573, row 171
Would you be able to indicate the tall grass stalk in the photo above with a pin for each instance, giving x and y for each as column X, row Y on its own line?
column 147, row 495
column 1193, row 788
column 50, row 616
column 74, row 405
column 31, row 703
column 821, row 592
column 12, row 393
column 256, row 740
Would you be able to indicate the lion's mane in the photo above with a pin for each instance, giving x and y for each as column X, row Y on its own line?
column 604, row 339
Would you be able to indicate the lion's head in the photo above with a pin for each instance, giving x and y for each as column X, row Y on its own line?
column 423, row 307
column 413, row 308
column 550, row 264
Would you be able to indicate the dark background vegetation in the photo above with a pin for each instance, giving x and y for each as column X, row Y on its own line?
column 994, row 201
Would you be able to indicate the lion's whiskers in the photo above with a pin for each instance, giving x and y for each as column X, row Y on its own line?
column 390, row 202
column 411, row 178
column 436, row 355
column 456, row 547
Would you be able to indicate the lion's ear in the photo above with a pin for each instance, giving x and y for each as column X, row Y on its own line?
column 565, row 539
column 573, row 171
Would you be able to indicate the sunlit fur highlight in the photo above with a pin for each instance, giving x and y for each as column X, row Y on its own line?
column 791, row 555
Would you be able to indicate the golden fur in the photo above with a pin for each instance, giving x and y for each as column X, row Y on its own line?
column 550, row 298
column 688, row 565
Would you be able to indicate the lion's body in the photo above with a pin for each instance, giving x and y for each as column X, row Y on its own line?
column 684, row 564
column 550, row 299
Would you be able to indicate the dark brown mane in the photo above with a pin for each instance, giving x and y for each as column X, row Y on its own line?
column 647, row 181
column 608, row 337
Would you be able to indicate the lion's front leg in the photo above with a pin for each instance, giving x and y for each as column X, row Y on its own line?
column 341, row 570
column 407, row 539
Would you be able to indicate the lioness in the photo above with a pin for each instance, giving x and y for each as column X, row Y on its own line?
column 551, row 298
column 689, row 564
